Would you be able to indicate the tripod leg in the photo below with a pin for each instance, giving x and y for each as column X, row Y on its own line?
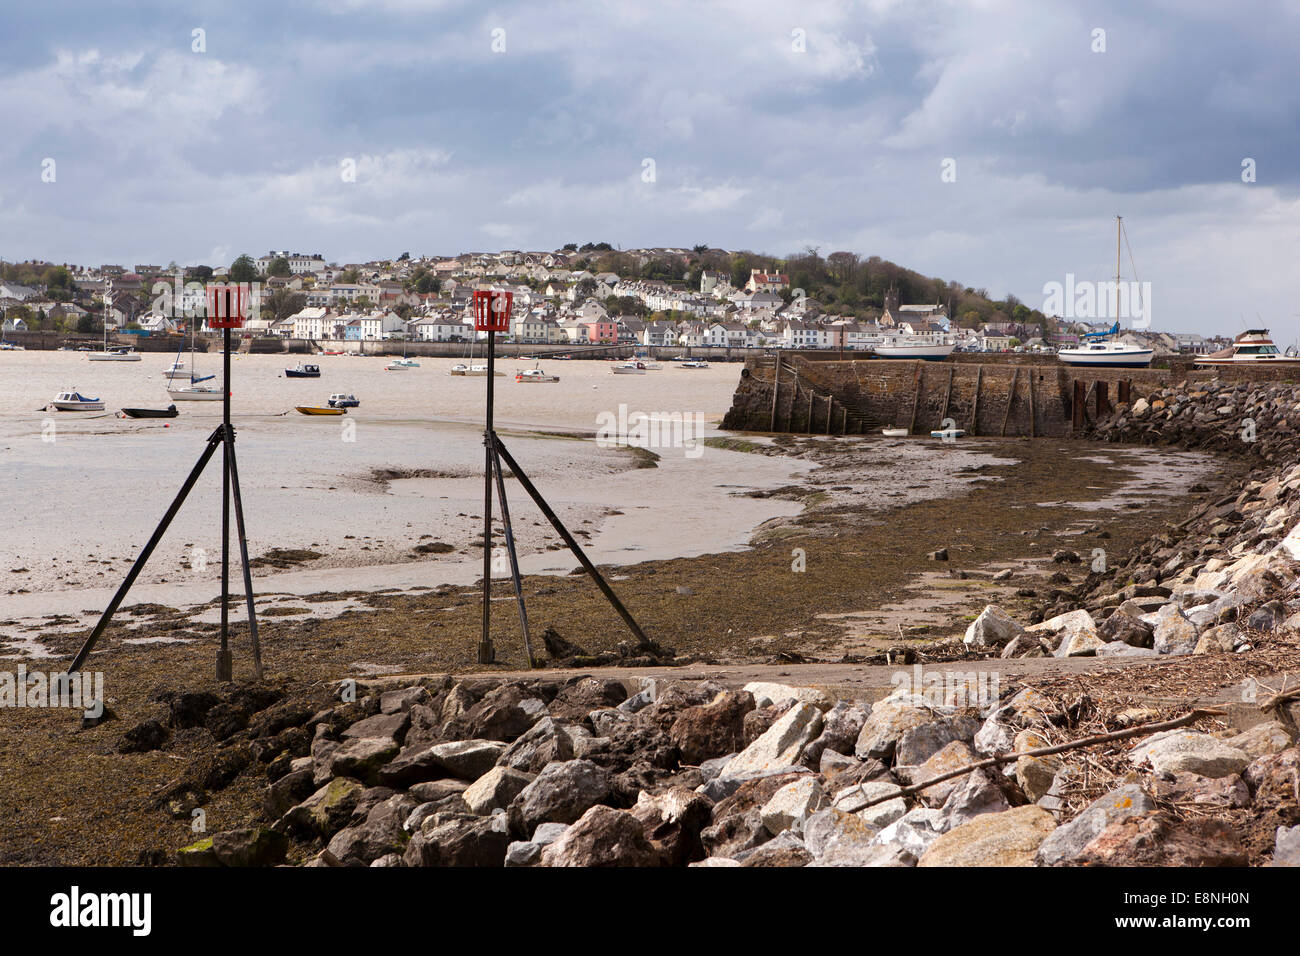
column 486, row 653
column 571, row 542
column 144, row 556
column 243, row 557
column 225, row 667
column 514, row 558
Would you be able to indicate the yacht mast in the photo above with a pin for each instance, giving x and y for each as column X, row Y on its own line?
column 1119, row 220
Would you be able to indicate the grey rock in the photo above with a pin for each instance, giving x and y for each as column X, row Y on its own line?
column 1069, row 840
column 977, row 794
column 562, row 793
column 495, row 789
column 1286, row 850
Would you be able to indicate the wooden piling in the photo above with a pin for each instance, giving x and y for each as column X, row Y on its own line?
column 975, row 406
column 776, row 390
column 1031, row 404
column 1011, row 397
column 947, row 394
column 916, row 396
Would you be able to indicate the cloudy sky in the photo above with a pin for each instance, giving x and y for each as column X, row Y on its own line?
column 742, row 124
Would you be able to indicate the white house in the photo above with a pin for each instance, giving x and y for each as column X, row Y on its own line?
column 440, row 328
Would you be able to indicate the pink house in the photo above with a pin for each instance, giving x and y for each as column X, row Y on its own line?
column 603, row 330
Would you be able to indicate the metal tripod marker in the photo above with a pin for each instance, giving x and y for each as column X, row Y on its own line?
column 492, row 314
column 227, row 307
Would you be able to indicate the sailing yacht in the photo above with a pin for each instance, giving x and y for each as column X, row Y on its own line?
column 1104, row 349
column 193, row 392
column 118, row 353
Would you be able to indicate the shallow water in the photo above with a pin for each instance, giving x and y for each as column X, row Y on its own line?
column 82, row 492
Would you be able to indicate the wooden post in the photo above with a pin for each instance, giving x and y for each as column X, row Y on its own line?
column 1078, row 418
column 844, row 420
column 916, row 397
column 776, row 390
column 1011, row 397
column 975, row 407
column 1103, row 398
column 811, row 396
column 947, row 394
column 1031, row 404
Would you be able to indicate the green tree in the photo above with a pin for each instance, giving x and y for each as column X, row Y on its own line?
column 279, row 267
column 243, row 269
column 282, row 303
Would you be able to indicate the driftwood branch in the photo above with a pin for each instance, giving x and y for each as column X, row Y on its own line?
column 1140, row 731
column 1277, row 700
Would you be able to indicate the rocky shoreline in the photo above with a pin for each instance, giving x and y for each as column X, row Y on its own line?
column 546, row 771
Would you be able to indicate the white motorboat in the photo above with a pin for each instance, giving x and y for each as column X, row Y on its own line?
column 122, row 353
column 629, row 368
column 915, row 347
column 344, row 400
column 894, row 432
column 196, row 393
column 693, row 363
column 1252, row 347
column 534, row 375
column 476, row 371
column 402, row 363
column 74, row 401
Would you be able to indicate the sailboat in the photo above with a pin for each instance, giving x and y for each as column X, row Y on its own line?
column 120, row 353
column 397, row 365
column 478, row 371
column 1104, row 348
column 194, row 392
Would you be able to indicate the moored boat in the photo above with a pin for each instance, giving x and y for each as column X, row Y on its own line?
column 1099, row 351
column 534, row 375
column 915, row 347
column 693, row 363
column 344, row 400
column 168, row 412
column 318, row 410
column 196, row 393
column 73, row 401
column 1252, row 347
column 303, row 371
column 629, row 368
column 122, row 353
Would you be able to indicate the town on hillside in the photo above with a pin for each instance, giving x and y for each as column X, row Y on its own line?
column 589, row 295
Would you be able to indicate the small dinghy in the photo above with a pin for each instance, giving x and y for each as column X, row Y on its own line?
column 318, row 410
column 949, row 433
column 168, row 412
column 894, row 432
